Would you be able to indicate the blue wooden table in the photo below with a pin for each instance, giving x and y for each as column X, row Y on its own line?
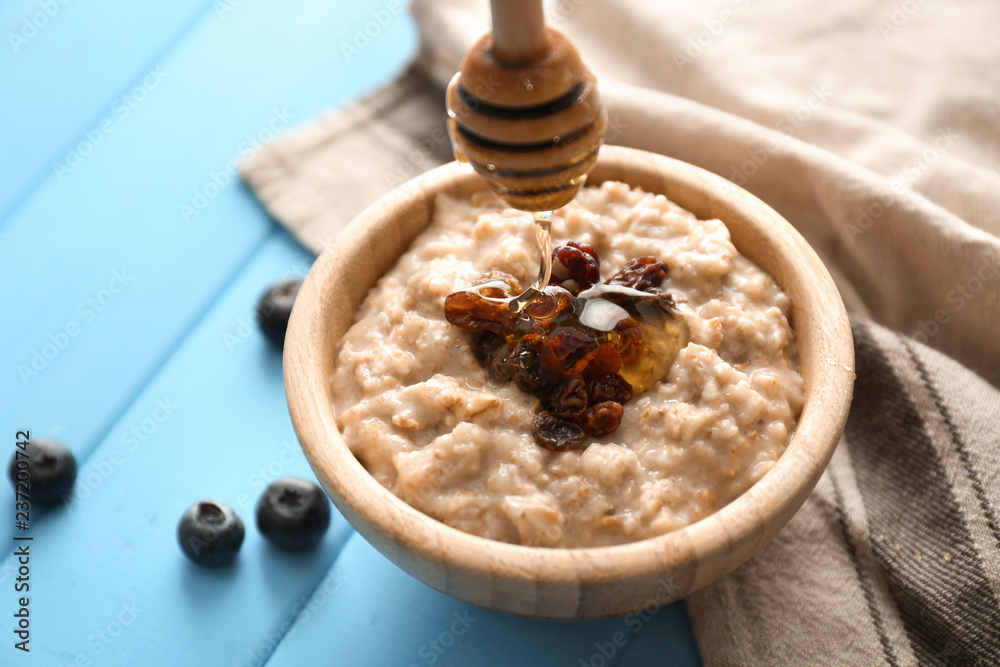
column 131, row 258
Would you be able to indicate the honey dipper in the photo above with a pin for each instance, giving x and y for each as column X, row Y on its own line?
column 524, row 111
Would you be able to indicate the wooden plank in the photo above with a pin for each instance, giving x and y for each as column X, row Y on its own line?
column 110, row 581
column 112, row 587
column 366, row 599
column 120, row 212
column 74, row 108
column 119, row 56
column 83, row 343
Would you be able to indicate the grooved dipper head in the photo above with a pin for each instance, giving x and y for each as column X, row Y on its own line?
column 532, row 130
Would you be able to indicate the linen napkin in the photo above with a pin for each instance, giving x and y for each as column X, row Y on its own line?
column 875, row 130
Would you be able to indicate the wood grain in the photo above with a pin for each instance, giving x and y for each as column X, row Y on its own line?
column 519, row 35
column 524, row 110
column 570, row 584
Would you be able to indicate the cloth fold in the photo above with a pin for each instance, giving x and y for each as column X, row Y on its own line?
column 876, row 133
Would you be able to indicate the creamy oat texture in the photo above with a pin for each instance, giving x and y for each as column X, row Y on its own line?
column 422, row 416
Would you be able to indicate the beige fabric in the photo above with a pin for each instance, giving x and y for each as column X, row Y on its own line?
column 794, row 131
column 894, row 557
column 315, row 179
column 875, row 129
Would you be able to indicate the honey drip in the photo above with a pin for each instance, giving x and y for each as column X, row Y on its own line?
column 592, row 328
column 542, row 221
column 563, row 342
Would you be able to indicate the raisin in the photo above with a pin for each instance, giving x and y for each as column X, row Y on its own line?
column 572, row 347
column 568, row 400
column 655, row 306
column 610, row 387
column 587, row 248
column 533, row 366
column 574, row 269
column 602, row 419
column 605, row 359
column 491, row 351
column 558, row 435
column 540, row 343
column 473, row 312
column 641, row 273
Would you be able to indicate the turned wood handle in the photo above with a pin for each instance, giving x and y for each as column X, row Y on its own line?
column 524, row 111
column 519, row 35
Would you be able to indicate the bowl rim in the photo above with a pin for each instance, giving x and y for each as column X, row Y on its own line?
column 396, row 526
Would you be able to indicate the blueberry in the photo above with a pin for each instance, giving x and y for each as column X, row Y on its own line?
column 210, row 533
column 293, row 514
column 51, row 469
column 274, row 308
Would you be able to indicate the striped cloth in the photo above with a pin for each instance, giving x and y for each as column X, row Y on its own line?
column 895, row 558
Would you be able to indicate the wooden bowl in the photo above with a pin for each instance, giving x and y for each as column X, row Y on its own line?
column 570, row 584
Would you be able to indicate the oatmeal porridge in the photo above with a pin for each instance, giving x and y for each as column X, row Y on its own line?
column 429, row 423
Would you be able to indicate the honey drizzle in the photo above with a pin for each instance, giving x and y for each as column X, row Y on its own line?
column 662, row 334
column 542, row 221
column 663, row 331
